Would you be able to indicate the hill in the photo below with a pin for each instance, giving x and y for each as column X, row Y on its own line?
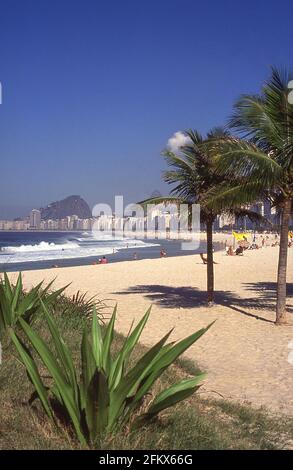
column 71, row 205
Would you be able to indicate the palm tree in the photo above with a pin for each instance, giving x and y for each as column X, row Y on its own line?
column 193, row 175
column 261, row 160
column 192, row 171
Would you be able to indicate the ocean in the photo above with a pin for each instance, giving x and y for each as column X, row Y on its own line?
column 20, row 251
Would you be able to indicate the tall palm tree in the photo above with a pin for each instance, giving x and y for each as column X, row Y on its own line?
column 261, row 160
column 193, row 173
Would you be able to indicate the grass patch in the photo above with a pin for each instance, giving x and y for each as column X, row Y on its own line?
column 194, row 424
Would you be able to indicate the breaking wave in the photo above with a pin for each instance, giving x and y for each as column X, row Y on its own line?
column 84, row 247
column 42, row 246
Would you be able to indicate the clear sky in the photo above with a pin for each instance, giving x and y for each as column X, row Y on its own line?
column 92, row 90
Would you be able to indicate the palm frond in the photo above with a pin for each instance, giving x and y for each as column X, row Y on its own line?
column 225, row 197
column 241, row 159
column 266, row 119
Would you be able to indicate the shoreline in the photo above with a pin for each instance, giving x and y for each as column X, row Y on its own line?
column 172, row 247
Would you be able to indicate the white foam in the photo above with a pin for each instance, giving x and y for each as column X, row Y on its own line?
column 42, row 246
column 45, row 251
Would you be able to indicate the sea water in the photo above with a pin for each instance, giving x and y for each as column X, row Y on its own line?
column 21, row 251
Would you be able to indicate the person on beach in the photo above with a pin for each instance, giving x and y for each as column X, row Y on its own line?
column 239, row 250
column 244, row 243
column 103, row 260
column 254, row 246
column 276, row 241
column 230, row 251
column 204, row 259
column 163, row 253
column 135, row 255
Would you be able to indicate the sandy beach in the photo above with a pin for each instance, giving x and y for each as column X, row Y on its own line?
column 244, row 353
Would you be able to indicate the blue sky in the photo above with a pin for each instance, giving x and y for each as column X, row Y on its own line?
column 92, row 90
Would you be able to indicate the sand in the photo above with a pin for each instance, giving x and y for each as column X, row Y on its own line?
column 244, row 353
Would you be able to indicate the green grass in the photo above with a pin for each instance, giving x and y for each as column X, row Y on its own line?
column 197, row 423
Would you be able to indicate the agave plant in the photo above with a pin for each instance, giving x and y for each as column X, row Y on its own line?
column 108, row 392
column 15, row 305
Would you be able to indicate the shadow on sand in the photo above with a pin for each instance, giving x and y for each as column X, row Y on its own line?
column 264, row 299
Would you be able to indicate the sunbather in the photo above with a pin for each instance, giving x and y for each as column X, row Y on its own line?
column 239, row 251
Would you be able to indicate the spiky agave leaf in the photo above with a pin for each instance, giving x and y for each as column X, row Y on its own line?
column 15, row 303
column 64, row 387
column 120, row 364
column 174, row 394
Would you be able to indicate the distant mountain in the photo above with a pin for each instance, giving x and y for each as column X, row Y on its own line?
column 155, row 193
column 71, row 205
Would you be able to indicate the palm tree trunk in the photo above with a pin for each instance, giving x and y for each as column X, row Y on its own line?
column 210, row 261
column 282, row 266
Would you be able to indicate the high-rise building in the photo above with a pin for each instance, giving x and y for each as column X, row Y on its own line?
column 35, row 219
